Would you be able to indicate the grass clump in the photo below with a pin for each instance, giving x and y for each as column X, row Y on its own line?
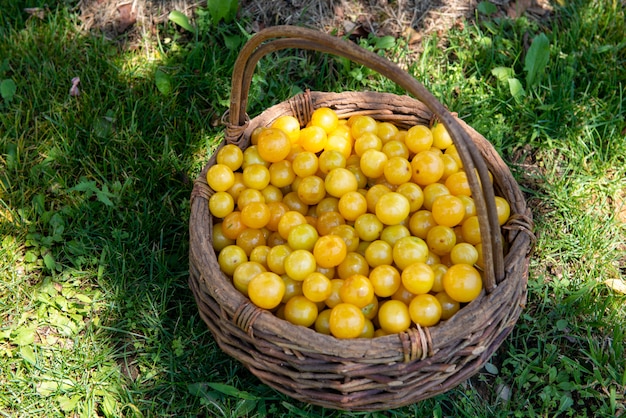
column 564, row 137
column 94, row 192
column 95, row 314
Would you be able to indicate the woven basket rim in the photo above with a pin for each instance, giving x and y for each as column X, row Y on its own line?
column 267, row 319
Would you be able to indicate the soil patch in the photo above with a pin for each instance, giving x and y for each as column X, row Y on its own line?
column 135, row 22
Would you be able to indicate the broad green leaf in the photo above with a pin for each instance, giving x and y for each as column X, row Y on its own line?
column 231, row 391
column 27, row 353
column 487, row 8
column 57, row 222
column 385, row 42
column 84, row 186
column 503, row 73
column 247, row 406
column 232, row 42
column 39, row 202
column 294, row 90
column 536, row 59
column 517, row 91
column 83, row 298
column 196, row 389
column 33, row 238
column 566, row 403
column 102, row 127
column 217, row 10
column 47, row 388
column 49, row 261
column 491, row 368
column 222, row 10
column 296, row 411
column 30, row 256
column 46, row 243
column 104, row 195
column 108, row 405
column 485, row 41
column 57, row 319
column 75, row 247
column 61, row 302
column 12, row 156
column 78, row 319
column 8, row 241
column 8, row 88
column 181, row 20
column 68, row 404
column 5, row 66
column 233, row 6
column 200, row 390
column 163, row 82
column 48, row 385
column 357, row 74
column 24, row 336
column 49, row 288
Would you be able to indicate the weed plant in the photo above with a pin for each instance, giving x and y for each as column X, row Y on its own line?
column 96, row 318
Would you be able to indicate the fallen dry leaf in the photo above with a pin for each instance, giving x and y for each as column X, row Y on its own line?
column 412, row 35
column 503, row 392
column 617, row 285
column 38, row 12
column 518, row 8
column 127, row 17
column 74, row 92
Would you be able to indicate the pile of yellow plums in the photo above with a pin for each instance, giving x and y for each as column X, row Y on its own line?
column 353, row 227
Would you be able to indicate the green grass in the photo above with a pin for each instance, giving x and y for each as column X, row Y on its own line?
column 95, row 315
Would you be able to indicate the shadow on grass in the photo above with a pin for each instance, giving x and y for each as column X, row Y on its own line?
column 95, row 193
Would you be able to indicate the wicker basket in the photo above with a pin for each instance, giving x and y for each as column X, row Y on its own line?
column 364, row 374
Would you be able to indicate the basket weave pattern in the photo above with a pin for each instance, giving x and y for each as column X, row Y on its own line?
column 363, row 374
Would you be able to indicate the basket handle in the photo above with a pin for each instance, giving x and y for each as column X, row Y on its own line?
column 282, row 37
